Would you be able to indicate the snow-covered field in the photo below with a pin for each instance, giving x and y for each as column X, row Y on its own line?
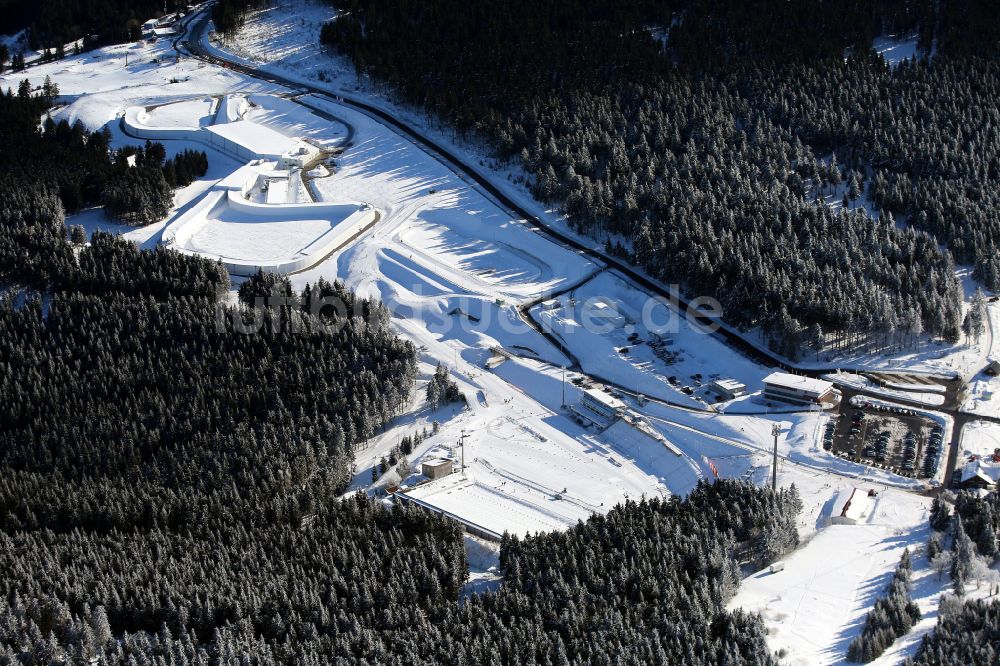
column 190, row 113
column 597, row 340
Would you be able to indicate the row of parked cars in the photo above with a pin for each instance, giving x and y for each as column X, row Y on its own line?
column 909, row 451
column 892, row 409
column 828, row 435
column 879, row 448
column 857, row 420
column 685, row 389
column 659, row 348
column 932, row 452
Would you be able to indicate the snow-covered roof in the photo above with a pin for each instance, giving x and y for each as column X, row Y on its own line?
column 730, row 384
column 604, row 399
column 259, row 139
column 798, row 383
column 602, row 309
column 853, row 504
column 486, row 506
column 981, row 469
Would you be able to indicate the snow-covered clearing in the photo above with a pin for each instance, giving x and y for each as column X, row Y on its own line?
column 286, row 33
column 484, row 565
column 818, row 603
column 979, row 438
column 895, row 48
column 16, row 43
column 597, row 339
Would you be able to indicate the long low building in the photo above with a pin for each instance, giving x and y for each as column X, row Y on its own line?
column 728, row 388
column 602, row 404
column 797, row 390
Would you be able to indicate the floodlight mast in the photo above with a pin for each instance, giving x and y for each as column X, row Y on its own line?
column 775, row 431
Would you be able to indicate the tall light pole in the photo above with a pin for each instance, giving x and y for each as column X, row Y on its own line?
column 462, row 441
column 564, row 386
column 775, row 431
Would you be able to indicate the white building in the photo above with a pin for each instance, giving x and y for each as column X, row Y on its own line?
column 602, row 314
column 166, row 20
column 852, row 506
column 797, row 390
column 551, row 304
column 601, row 404
column 247, row 140
column 728, row 388
column 298, row 156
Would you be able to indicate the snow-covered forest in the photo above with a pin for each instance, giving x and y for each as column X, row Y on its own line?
column 703, row 153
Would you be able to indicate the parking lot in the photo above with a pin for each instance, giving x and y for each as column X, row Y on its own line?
column 888, row 437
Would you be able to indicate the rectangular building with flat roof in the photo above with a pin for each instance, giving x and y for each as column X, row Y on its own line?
column 247, row 140
column 728, row 388
column 602, row 404
column 796, row 389
column 437, row 468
